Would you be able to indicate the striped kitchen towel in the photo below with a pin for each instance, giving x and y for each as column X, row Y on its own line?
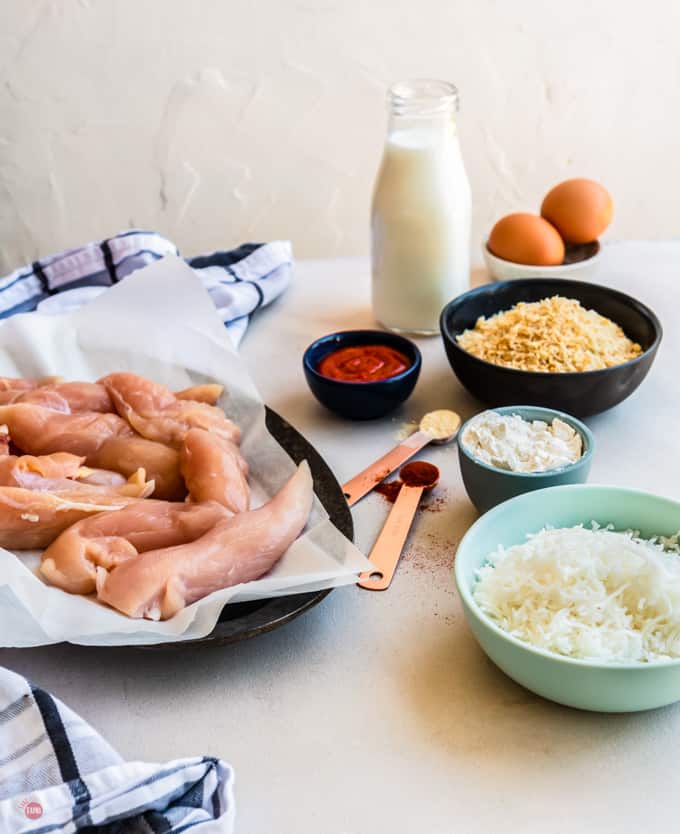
column 58, row 775
column 240, row 281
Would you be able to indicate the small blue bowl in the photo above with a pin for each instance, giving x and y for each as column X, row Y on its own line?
column 488, row 486
column 361, row 400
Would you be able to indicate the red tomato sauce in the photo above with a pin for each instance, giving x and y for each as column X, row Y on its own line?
column 363, row 363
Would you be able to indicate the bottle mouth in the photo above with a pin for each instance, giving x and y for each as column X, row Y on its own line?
column 423, row 97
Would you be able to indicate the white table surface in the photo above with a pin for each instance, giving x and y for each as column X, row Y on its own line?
column 378, row 712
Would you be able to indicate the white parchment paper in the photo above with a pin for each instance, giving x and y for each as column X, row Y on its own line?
column 161, row 324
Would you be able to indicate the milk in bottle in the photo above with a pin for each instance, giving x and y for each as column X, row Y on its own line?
column 420, row 220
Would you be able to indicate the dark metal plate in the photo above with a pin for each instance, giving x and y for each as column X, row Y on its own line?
column 242, row 620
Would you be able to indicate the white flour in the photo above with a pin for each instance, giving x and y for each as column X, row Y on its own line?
column 509, row 442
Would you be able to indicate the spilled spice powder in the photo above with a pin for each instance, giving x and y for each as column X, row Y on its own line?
column 381, row 475
column 433, row 503
column 390, row 489
column 430, row 551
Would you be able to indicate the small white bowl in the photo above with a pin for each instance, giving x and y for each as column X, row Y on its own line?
column 581, row 268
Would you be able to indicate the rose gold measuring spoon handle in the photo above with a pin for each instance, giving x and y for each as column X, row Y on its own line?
column 437, row 427
column 370, row 477
column 389, row 544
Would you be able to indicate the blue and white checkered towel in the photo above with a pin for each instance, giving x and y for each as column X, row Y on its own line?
column 239, row 281
column 58, row 775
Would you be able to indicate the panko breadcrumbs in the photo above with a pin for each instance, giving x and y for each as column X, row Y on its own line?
column 555, row 335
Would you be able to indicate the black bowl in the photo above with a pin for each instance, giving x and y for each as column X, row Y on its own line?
column 361, row 400
column 581, row 394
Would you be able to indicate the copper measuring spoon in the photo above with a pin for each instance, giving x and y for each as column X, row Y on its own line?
column 436, row 427
column 417, row 477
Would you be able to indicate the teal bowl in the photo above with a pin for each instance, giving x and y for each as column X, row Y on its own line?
column 488, row 486
column 585, row 684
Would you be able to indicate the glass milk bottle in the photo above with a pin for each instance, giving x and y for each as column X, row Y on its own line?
column 420, row 220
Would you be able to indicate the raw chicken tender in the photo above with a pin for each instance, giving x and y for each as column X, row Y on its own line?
column 157, row 414
column 30, row 472
column 126, row 454
column 8, row 383
column 78, row 396
column 208, row 393
column 27, row 470
column 41, row 431
column 159, row 583
column 108, row 539
column 214, row 470
column 31, row 519
column 47, row 397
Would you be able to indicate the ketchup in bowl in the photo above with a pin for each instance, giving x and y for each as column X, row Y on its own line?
column 363, row 363
column 362, row 374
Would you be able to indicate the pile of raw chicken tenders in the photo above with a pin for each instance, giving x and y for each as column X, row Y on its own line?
column 78, row 464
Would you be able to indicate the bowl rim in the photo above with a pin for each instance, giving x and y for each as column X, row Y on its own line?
column 379, row 336
column 572, row 267
column 639, row 307
column 587, row 438
column 471, row 604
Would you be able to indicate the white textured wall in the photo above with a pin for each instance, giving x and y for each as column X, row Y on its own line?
column 217, row 121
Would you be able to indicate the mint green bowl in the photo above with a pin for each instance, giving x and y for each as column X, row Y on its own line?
column 603, row 687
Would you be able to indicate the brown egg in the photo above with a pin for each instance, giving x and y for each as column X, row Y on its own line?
column 526, row 239
column 579, row 209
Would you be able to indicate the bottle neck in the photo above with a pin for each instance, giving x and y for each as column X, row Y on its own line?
column 425, row 106
column 442, row 125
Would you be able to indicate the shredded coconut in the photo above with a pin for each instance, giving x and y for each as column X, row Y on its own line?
column 587, row 593
column 506, row 441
